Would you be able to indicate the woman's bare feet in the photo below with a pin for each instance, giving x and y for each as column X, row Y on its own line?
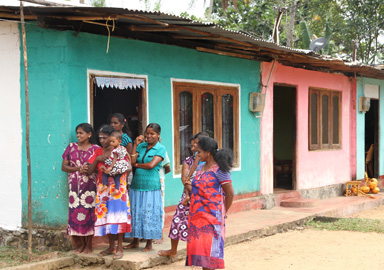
column 87, row 251
column 118, row 255
column 79, row 249
column 148, row 246
column 108, row 251
column 133, row 244
column 169, row 253
column 158, row 241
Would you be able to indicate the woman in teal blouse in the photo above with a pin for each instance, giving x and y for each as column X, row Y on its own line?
column 145, row 193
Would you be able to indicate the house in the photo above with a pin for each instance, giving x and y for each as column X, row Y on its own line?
column 86, row 63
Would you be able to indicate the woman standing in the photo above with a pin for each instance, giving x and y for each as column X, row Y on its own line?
column 82, row 188
column 112, row 212
column 145, row 191
column 212, row 196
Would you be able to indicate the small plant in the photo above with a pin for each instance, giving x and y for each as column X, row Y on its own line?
column 349, row 224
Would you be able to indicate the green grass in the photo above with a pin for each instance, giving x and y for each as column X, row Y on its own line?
column 11, row 256
column 348, row 224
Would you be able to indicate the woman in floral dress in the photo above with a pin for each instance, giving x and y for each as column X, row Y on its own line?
column 82, row 188
column 212, row 195
column 113, row 212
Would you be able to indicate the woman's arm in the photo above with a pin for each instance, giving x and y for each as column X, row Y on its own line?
column 129, row 147
column 167, row 169
column 133, row 152
column 65, row 167
column 229, row 194
column 184, row 172
column 150, row 165
column 92, row 167
column 193, row 168
column 112, row 164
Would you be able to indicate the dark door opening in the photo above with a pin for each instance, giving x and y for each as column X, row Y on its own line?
column 284, row 137
column 372, row 139
column 130, row 102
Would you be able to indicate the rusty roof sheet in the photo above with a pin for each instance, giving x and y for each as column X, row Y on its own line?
column 175, row 30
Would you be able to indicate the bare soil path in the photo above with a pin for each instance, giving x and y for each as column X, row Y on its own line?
column 308, row 250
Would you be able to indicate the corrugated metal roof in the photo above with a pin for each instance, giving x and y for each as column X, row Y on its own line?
column 171, row 29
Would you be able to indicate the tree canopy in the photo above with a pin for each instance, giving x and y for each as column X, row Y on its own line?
column 347, row 23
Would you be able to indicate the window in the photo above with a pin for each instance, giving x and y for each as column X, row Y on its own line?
column 324, row 119
column 209, row 108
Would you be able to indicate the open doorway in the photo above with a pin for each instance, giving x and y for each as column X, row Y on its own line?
column 284, row 137
column 125, row 95
column 372, row 139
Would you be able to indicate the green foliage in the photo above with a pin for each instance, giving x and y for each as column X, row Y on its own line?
column 306, row 34
column 255, row 17
column 98, row 3
column 339, row 21
column 349, row 224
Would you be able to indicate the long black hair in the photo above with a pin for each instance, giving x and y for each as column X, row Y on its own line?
column 88, row 129
column 156, row 127
column 223, row 157
column 200, row 135
column 122, row 120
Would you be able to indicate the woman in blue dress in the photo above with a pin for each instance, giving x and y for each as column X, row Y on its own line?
column 145, row 193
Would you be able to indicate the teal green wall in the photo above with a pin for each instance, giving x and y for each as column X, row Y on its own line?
column 58, row 63
column 360, row 127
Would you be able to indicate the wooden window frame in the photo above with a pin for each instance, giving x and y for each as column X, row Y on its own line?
column 197, row 90
column 320, row 145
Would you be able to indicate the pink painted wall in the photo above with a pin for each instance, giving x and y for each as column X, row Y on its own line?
column 313, row 168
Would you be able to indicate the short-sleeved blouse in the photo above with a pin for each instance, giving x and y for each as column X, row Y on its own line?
column 125, row 140
column 145, row 179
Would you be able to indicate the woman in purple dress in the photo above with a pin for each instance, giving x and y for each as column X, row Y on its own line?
column 179, row 225
column 82, row 188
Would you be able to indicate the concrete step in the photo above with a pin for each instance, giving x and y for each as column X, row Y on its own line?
column 286, row 195
column 299, row 203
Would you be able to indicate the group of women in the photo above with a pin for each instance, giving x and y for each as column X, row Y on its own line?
column 94, row 211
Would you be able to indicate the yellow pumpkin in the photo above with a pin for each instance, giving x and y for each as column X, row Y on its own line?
column 376, row 190
column 365, row 189
column 374, row 180
column 353, row 189
column 372, row 185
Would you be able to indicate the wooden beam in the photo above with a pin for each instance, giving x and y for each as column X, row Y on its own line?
column 245, row 48
column 26, row 92
column 17, row 16
column 97, row 23
column 142, row 19
column 151, row 28
column 196, row 37
column 202, row 49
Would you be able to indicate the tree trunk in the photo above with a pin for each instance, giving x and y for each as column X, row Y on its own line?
column 290, row 27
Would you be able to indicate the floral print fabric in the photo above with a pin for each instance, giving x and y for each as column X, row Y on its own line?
column 206, row 231
column 179, row 225
column 82, row 192
column 113, row 213
column 122, row 163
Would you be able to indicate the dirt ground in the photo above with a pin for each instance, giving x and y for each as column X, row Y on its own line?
column 307, row 249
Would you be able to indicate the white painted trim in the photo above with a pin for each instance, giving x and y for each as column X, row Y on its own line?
column 11, row 130
column 120, row 74
column 238, row 86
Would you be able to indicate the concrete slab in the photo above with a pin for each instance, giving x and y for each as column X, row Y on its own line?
column 241, row 226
